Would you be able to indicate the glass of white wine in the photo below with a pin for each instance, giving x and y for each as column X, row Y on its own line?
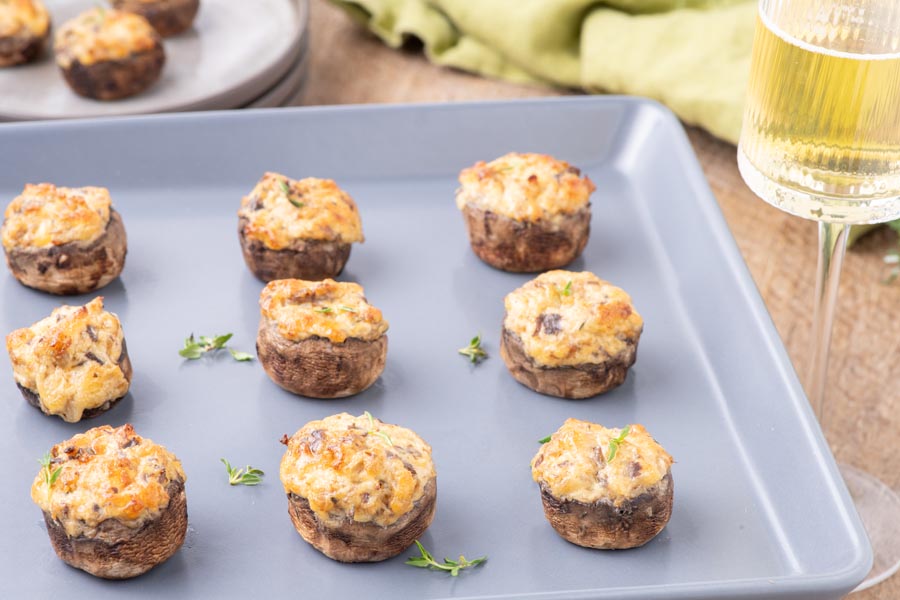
column 821, row 140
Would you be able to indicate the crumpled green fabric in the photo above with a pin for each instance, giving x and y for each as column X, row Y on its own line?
column 692, row 55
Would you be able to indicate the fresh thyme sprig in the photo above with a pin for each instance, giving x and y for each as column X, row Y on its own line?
column 246, row 476
column 614, row 443
column 427, row 561
column 544, row 440
column 47, row 474
column 194, row 348
column 287, row 192
column 374, row 431
column 474, row 351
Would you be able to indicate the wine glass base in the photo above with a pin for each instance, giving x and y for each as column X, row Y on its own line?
column 879, row 508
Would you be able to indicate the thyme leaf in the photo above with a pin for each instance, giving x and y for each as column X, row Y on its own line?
column 474, row 351
column 246, row 476
column 614, row 443
column 426, row 561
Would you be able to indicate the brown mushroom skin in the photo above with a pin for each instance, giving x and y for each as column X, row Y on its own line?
column 73, row 268
column 21, row 49
column 523, row 246
column 168, row 17
column 351, row 541
column 120, row 552
column 605, row 526
column 34, row 399
column 575, row 382
column 116, row 79
column 317, row 367
column 311, row 260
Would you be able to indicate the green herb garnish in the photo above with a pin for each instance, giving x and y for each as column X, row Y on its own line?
column 544, row 440
column 287, row 192
column 374, row 431
column 246, row 476
column 567, row 291
column 474, row 351
column 194, row 348
column 614, row 443
column 427, row 561
column 325, row 310
column 47, row 474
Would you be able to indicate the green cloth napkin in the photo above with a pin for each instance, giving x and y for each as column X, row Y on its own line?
column 692, row 55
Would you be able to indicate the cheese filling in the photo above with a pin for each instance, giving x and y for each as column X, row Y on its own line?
column 23, row 18
column 357, row 468
column 100, row 35
column 71, row 359
column 327, row 309
column 44, row 216
column 575, row 465
column 282, row 212
column 566, row 319
column 106, row 473
column 525, row 187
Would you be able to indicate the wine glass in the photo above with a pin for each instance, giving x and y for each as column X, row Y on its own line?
column 821, row 140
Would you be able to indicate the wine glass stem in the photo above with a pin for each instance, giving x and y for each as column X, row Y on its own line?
column 832, row 247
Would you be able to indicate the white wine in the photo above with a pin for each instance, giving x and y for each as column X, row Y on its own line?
column 821, row 136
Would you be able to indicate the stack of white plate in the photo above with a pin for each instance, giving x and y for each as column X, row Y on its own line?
column 240, row 53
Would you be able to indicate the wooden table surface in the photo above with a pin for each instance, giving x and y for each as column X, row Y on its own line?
column 348, row 65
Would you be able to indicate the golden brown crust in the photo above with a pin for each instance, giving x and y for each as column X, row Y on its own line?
column 116, row 79
column 351, row 541
column 72, row 268
column 629, row 523
column 526, row 246
column 24, row 29
column 34, row 399
column 308, row 259
column 168, row 17
column 317, row 367
column 576, row 382
column 120, row 552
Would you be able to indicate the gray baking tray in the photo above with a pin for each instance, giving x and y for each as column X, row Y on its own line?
column 760, row 511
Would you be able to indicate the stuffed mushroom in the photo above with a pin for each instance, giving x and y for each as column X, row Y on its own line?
column 113, row 502
column 604, row 488
column 109, row 54
column 570, row 335
column 72, row 364
column 320, row 338
column 63, row 240
column 297, row 229
column 168, row 17
column 359, row 490
column 24, row 29
column 525, row 212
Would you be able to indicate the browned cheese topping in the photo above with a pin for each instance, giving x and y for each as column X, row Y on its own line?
column 565, row 318
column 23, row 18
column 525, row 187
column 574, row 464
column 103, row 34
column 328, row 309
column 281, row 211
column 107, row 473
column 355, row 468
column 70, row 359
column 44, row 216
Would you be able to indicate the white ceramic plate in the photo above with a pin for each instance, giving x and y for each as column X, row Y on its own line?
column 236, row 49
column 289, row 86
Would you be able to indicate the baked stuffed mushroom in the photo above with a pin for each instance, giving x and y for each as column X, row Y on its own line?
column 24, row 29
column 359, row 490
column 109, row 54
column 113, row 502
column 570, row 335
column 72, row 364
column 297, row 229
column 525, row 212
column 604, row 488
column 168, row 17
column 320, row 338
column 63, row 240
